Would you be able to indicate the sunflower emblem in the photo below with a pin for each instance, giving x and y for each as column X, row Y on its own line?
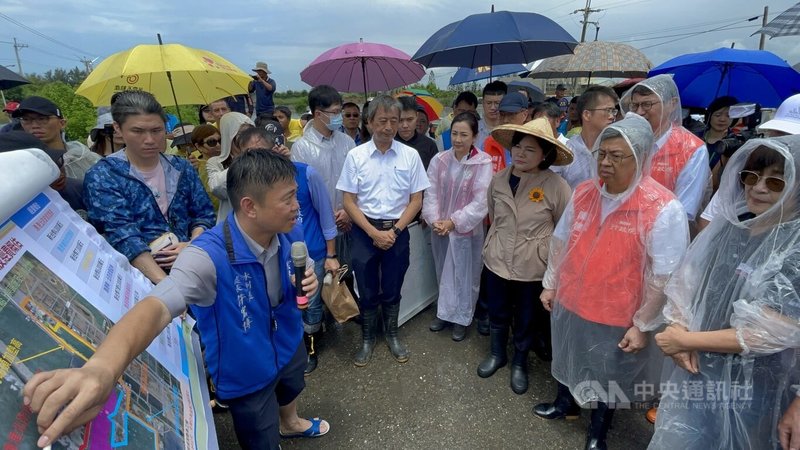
column 536, row 194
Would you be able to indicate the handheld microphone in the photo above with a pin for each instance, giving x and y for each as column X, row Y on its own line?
column 299, row 257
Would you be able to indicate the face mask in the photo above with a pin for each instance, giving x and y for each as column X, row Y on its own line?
column 335, row 122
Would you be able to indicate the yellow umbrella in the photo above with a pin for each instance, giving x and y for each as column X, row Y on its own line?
column 198, row 76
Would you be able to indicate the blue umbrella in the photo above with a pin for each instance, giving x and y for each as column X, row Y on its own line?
column 502, row 37
column 468, row 74
column 755, row 76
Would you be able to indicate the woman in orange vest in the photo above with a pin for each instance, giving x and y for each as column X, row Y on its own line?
column 734, row 310
column 613, row 250
column 526, row 200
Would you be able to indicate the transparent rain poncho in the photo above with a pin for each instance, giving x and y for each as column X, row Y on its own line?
column 229, row 126
column 679, row 163
column 610, row 257
column 458, row 192
column 741, row 272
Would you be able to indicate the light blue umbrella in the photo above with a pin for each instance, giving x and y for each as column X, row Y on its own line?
column 468, row 74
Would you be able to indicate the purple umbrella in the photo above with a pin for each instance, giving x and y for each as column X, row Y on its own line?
column 363, row 67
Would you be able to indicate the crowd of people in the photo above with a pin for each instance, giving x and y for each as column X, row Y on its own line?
column 647, row 263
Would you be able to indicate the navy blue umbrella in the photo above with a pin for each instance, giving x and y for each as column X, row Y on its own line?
column 501, row 37
column 469, row 74
column 749, row 75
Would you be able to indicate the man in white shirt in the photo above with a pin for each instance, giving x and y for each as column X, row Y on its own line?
column 382, row 182
column 597, row 108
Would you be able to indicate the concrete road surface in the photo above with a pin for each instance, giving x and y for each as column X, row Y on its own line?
column 435, row 400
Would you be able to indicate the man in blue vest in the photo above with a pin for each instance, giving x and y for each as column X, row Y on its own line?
column 236, row 279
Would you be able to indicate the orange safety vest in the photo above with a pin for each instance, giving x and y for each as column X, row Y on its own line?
column 669, row 160
column 602, row 276
column 497, row 152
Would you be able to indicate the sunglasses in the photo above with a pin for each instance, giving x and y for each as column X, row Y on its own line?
column 352, row 115
column 212, row 142
column 751, row 178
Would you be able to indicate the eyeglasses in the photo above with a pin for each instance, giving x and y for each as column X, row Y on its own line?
column 751, row 178
column 335, row 112
column 352, row 115
column 38, row 120
column 609, row 111
column 212, row 142
column 613, row 158
column 644, row 105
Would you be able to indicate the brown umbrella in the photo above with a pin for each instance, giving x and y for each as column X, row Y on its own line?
column 596, row 59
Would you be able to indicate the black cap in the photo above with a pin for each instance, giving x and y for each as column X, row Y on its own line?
column 20, row 140
column 513, row 102
column 273, row 127
column 182, row 135
column 39, row 105
column 561, row 87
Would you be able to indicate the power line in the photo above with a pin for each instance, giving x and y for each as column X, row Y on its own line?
column 726, row 27
column 692, row 33
column 42, row 35
column 684, row 27
column 54, row 55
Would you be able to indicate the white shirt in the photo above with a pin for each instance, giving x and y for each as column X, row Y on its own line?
column 712, row 209
column 582, row 166
column 383, row 182
column 693, row 179
column 326, row 155
column 483, row 132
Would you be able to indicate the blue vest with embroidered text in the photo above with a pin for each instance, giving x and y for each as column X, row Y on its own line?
column 247, row 341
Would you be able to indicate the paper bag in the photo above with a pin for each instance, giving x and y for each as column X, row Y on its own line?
column 338, row 298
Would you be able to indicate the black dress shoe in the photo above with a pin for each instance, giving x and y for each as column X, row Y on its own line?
column 459, row 332
column 437, row 325
column 551, row 411
column 595, row 444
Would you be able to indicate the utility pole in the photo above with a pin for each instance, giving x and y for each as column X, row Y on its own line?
column 18, row 46
column 88, row 63
column 763, row 24
column 586, row 11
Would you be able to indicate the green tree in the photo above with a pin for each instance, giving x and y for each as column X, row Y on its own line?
column 79, row 112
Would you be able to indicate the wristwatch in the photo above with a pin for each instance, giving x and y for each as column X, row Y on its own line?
column 333, row 256
column 396, row 230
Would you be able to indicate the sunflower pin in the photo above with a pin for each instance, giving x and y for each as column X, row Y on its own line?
column 536, row 194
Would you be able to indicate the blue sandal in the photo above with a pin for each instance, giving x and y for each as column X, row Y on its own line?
column 312, row 432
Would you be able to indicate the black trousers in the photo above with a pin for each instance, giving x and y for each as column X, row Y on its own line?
column 256, row 419
column 379, row 273
column 516, row 304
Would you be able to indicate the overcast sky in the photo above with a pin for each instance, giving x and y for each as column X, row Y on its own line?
column 290, row 34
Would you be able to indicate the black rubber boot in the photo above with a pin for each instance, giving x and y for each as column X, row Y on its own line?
column 598, row 427
column 563, row 407
column 311, row 362
column 390, row 314
column 498, row 357
column 369, row 327
column 519, row 372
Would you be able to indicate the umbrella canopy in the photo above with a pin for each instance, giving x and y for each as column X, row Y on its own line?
column 9, row 79
column 596, row 59
column 786, row 23
column 502, row 37
column 363, row 67
column 199, row 77
column 552, row 67
column 433, row 108
column 535, row 93
column 607, row 60
column 469, row 74
column 749, row 75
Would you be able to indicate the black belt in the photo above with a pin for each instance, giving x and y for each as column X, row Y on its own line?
column 382, row 224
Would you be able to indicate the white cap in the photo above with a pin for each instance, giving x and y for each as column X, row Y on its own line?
column 787, row 118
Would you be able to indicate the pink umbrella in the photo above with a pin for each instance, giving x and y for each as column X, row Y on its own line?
column 363, row 67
